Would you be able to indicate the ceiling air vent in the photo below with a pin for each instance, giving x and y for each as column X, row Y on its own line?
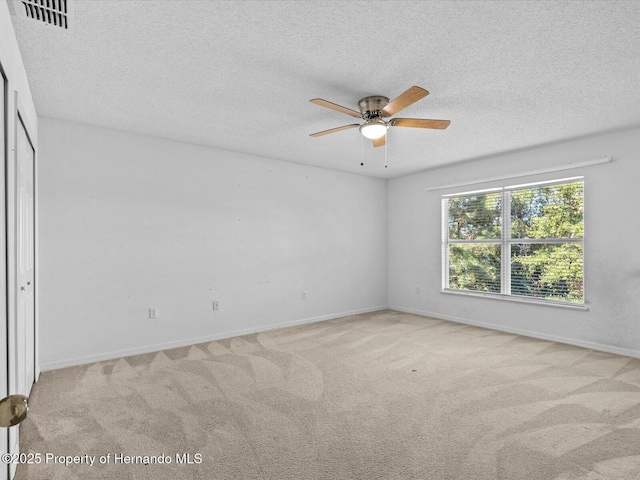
column 56, row 13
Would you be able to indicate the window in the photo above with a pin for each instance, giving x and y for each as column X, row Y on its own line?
column 524, row 241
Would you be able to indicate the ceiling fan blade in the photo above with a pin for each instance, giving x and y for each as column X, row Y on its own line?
column 379, row 142
column 333, row 130
column 336, row 107
column 405, row 99
column 420, row 123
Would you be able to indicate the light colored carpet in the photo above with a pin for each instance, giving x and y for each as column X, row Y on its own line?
column 385, row 395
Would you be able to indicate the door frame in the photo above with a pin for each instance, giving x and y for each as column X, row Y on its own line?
column 4, row 324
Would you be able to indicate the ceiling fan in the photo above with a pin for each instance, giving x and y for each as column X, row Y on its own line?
column 373, row 109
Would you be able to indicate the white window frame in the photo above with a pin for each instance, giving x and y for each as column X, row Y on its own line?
column 505, row 241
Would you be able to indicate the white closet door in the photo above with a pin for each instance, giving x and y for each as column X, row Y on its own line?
column 25, row 255
column 21, row 366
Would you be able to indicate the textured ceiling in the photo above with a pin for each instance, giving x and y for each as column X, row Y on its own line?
column 238, row 75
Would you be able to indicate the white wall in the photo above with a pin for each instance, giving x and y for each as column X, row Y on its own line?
column 612, row 256
column 130, row 222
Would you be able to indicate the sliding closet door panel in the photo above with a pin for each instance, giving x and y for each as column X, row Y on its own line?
column 20, row 265
column 25, row 311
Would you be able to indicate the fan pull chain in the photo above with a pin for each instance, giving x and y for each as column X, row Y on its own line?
column 361, row 150
column 385, row 151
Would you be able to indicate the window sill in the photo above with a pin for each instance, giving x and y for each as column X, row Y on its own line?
column 513, row 298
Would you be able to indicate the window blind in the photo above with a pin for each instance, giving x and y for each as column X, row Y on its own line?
column 522, row 240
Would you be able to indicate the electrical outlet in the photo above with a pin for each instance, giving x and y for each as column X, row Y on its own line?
column 304, row 294
column 216, row 305
column 153, row 313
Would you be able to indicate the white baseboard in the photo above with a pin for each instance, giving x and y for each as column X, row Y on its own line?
column 70, row 362
column 628, row 352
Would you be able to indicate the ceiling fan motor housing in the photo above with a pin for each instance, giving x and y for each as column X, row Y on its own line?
column 371, row 106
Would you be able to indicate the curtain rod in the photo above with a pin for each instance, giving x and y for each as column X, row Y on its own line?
column 557, row 168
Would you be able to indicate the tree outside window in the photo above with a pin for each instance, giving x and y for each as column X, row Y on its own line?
column 521, row 241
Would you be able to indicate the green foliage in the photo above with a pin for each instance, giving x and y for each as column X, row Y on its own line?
column 475, row 217
column 551, row 271
column 547, row 271
column 548, row 212
column 474, row 267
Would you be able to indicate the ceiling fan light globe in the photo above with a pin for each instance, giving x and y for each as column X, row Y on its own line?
column 374, row 129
